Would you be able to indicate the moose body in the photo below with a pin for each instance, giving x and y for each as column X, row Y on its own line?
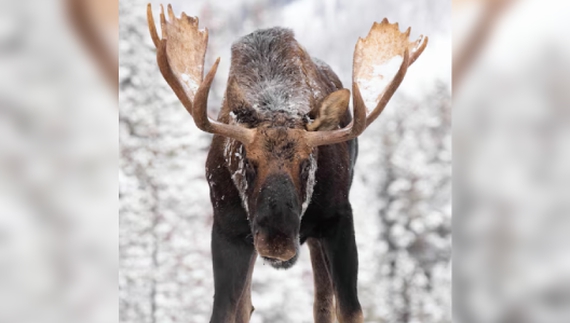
column 281, row 162
column 272, row 70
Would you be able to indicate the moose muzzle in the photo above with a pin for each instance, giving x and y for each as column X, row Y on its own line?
column 277, row 219
column 276, row 247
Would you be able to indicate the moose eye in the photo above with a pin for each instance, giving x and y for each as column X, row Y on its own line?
column 250, row 170
column 305, row 169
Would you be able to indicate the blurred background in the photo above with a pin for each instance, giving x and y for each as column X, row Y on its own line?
column 401, row 194
column 511, row 169
column 58, row 161
column 59, row 157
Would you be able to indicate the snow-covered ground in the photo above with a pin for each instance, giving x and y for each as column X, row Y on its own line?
column 401, row 194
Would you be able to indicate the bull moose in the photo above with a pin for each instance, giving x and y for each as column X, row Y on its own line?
column 282, row 158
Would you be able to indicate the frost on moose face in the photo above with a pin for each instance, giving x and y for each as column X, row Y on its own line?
column 274, row 154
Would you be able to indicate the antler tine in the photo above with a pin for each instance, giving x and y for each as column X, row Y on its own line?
column 170, row 12
column 421, row 44
column 162, row 22
column 152, row 26
column 202, row 121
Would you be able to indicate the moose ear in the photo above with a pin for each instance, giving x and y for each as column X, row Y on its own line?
column 331, row 111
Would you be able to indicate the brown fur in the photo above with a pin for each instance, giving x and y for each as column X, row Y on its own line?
column 279, row 148
column 245, row 308
column 323, row 307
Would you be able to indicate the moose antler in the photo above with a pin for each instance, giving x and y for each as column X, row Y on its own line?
column 380, row 63
column 180, row 56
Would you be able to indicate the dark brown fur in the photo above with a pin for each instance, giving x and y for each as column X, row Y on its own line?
column 269, row 71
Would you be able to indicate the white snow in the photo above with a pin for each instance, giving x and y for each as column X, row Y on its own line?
column 238, row 175
column 310, row 183
column 190, row 85
column 372, row 87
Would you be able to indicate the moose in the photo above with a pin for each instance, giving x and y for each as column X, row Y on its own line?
column 282, row 157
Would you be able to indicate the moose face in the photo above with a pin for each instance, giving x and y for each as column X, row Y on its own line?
column 275, row 170
column 279, row 170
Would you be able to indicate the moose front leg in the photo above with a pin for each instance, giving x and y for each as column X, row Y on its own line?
column 245, row 308
column 233, row 258
column 323, row 307
column 340, row 248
